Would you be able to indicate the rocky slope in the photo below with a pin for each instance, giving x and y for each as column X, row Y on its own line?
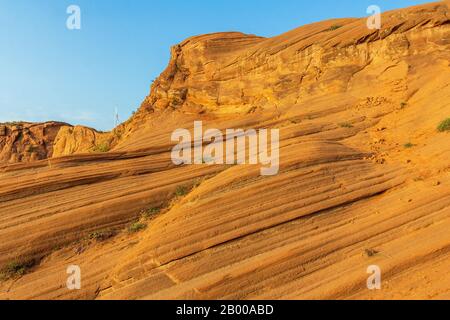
column 364, row 176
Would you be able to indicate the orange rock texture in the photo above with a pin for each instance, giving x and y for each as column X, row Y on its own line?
column 29, row 142
column 26, row 142
column 364, row 175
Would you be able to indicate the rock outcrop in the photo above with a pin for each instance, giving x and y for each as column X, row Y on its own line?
column 234, row 73
column 26, row 142
column 75, row 140
column 29, row 142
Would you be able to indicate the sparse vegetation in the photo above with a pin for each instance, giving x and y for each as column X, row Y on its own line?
column 370, row 252
column 181, row 191
column 102, row 235
column 150, row 212
column 346, row 125
column 409, row 145
column 136, row 227
column 444, row 125
column 15, row 269
column 102, row 147
column 403, row 105
column 335, row 27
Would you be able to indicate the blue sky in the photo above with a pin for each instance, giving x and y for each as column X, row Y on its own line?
column 48, row 72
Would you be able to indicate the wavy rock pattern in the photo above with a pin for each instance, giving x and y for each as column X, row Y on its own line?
column 349, row 193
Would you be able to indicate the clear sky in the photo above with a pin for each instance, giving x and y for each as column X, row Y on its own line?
column 48, row 72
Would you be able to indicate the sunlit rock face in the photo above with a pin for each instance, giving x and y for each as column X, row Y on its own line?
column 22, row 142
column 26, row 142
column 234, row 72
column 364, row 176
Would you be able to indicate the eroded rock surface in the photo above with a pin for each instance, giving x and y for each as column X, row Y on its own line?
column 23, row 142
column 26, row 142
column 364, row 175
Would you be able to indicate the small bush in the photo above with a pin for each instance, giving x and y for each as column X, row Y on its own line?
column 370, row 252
column 403, row 105
column 136, row 227
column 181, row 191
column 15, row 269
column 409, row 145
column 151, row 212
column 102, row 235
column 335, row 27
column 444, row 125
column 346, row 125
column 103, row 147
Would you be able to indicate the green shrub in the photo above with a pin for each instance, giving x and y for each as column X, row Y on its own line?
column 15, row 269
column 335, row 27
column 403, row 105
column 346, row 125
column 444, row 125
column 371, row 252
column 102, row 235
column 136, row 227
column 409, row 145
column 181, row 191
column 151, row 212
column 102, row 147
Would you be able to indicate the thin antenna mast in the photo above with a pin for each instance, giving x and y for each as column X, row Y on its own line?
column 116, row 118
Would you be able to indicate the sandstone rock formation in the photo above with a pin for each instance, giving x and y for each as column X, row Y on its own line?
column 75, row 140
column 25, row 142
column 364, row 177
column 29, row 142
